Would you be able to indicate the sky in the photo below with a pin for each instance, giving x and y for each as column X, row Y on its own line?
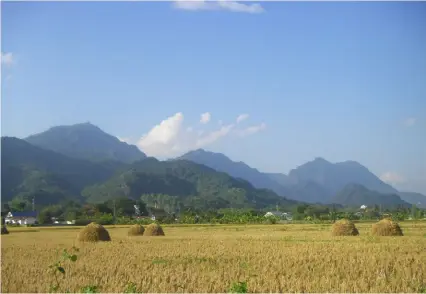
column 271, row 84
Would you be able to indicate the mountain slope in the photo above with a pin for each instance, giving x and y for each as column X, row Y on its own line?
column 414, row 198
column 28, row 170
column 184, row 182
column 357, row 195
column 336, row 176
column 85, row 141
column 221, row 163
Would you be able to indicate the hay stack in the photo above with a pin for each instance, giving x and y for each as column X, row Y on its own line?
column 154, row 230
column 386, row 227
column 344, row 227
column 136, row 230
column 93, row 232
column 4, row 230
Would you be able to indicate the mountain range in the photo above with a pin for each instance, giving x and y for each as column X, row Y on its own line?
column 317, row 181
column 84, row 163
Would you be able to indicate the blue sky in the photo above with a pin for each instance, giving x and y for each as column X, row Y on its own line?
column 339, row 80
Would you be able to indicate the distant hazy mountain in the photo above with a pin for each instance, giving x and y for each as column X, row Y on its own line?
column 333, row 177
column 86, row 141
column 221, row 163
column 357, row 195
column 28, row 171
column 316, row 181
column 281, row 179
column 414, row 198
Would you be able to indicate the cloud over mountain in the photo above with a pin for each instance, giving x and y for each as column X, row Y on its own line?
column 171, row 137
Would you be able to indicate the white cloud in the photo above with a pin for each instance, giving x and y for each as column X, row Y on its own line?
column 205, row 118
column 251, row 130
column 411, row 121
column 219, row 5
column 392, row 178
column 214, row 136
column 242, row 117
column 170, row 138
column 7, row 58
column 162, row 138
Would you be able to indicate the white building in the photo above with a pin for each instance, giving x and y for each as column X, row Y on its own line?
column 21, row 218
column 279, row 214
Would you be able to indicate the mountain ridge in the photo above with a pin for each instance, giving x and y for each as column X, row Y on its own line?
column 85, row 141
column 316, row 181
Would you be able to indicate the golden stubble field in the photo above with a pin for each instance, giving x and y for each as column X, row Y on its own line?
column 270, row 258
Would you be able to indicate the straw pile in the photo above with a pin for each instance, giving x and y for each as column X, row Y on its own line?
column 386, row 227
column 154, row 230
column 344, row 227
column 93, row 232
column 136, row 230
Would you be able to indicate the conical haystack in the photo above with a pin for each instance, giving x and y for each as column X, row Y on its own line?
column 136, row 230
column 386, row 227
column 4, row 230
column 344, row 227
column 153, row 230
column 93, row 232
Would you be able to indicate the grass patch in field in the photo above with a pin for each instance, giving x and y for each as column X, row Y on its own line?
column 160, row 261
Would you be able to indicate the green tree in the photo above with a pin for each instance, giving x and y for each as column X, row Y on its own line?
column 19, row 205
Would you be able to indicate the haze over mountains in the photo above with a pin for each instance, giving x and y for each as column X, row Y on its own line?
column 82, row 162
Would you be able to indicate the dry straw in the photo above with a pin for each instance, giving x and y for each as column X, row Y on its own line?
column 386, row 227
column 136, row 230
column 4, row 230
column 154, row 230
column 93, row 232
column 344, row 227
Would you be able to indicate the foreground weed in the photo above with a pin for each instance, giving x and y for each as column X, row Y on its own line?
column 131, row 288
column 238, row 287
column 58, row 267
column 89, row 289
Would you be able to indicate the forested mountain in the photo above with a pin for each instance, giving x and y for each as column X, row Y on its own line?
column 356, row 195
column 95, row 170
column 31, row 172
column 86, row 141
column 181, row 182
column 317, row 181
column 334, row 177
column 220, row 162
column 28, row 171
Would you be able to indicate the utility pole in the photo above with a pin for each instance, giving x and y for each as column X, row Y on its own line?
column 34, row 203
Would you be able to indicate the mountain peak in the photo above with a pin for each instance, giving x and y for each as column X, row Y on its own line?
column 321, row 160
column 85, row 141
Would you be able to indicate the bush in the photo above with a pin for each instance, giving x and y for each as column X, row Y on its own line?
column 272, row 220
column 82, row 222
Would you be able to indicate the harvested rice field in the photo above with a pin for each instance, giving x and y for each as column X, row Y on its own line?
column 202, row 258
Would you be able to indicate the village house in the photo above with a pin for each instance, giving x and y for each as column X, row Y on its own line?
column 21, row 218
column 281, row 215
